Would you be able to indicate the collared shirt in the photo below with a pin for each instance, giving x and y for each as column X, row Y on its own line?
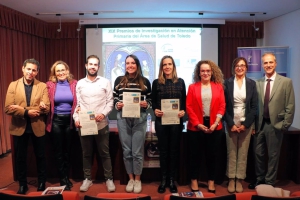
column 271, row 82
column 95, row 96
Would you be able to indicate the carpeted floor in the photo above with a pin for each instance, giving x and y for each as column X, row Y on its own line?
column 7, row 182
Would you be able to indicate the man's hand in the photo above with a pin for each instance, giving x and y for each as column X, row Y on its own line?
column 33, row 113
column 14, row 107
column 77, row 124
column 77, row 109
column 42, row 105
column 99, row 117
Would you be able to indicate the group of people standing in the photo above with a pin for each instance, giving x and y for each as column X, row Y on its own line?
column 239, row 105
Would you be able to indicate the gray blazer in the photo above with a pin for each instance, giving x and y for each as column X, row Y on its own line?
column 281, row 104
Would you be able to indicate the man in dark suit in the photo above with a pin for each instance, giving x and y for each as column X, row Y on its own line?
column 27, row 102
column 276, row 103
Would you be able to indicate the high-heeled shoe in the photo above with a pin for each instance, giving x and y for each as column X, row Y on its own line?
column 209, row 190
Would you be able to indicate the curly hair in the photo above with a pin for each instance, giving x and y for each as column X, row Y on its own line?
column 52, row 76
column 161, row 76
column 216, row 73
column 235, row 62
column 139, row 78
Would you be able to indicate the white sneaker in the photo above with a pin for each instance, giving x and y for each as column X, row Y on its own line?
column 129, row 186
column 110, row 185
column 85, row 185
column 137, row 187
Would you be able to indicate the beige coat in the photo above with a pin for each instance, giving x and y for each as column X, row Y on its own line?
column 16, row 96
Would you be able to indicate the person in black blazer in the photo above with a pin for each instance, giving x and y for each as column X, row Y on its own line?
column 241, row 108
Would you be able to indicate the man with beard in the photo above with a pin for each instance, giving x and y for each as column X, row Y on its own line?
column 27, row 102
column 94, row 93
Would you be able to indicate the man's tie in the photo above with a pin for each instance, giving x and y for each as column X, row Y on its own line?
column 266, row 101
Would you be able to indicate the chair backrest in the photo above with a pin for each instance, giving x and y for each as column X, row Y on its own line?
column 256, row 197
column 4, row 196
column 86, row 197
column 226, row 197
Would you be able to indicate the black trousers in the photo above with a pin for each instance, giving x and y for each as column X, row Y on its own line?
column 21, row 146
column 169, row 146
column 211, row 143
column 61, row 137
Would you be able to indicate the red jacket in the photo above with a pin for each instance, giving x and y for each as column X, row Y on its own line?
column 194, row 105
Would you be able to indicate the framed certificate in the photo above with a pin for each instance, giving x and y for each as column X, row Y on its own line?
column 170, row 107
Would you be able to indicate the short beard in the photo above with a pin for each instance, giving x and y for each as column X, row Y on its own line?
column 93, row 75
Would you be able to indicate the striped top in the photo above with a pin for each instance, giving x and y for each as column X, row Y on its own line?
column 131, row 87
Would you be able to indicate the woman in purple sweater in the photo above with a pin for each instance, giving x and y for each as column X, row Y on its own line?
column 62, row 94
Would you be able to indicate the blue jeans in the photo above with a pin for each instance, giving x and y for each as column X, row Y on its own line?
column 132, row 133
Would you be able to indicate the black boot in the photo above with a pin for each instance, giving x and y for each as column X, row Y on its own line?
column 172, row 186
column 69, row 182
column 64, row 181
column 163, row 185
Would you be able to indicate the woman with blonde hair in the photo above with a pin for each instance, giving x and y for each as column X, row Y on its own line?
column 62, row 94
column 205, row 106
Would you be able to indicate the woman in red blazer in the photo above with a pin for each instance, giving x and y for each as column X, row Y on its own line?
column 205, row 106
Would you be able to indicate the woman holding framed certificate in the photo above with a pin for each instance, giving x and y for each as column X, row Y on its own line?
column 132, row 91
column 205, row 106
column 168, row 104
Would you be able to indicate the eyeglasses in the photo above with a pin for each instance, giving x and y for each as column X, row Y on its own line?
column 240, row 66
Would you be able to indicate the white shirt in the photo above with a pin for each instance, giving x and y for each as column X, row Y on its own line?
column 96, row 96
column 271, row 83
column 239, row 98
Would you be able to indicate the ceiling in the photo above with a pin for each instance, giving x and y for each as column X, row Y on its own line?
column 228, row 10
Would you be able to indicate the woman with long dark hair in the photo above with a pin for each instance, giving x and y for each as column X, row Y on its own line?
column 132, row 131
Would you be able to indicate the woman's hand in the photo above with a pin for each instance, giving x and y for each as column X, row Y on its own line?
column 203, row 128
column 119, row 105
column 158, row 113
column 242, row 128
column 213, row 127
column 144, row 104
column 234, row 128
column 181, row 113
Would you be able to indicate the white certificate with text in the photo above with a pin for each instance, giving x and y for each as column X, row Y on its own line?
column 131, row 101
column 170, row 107
column 88, row 123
